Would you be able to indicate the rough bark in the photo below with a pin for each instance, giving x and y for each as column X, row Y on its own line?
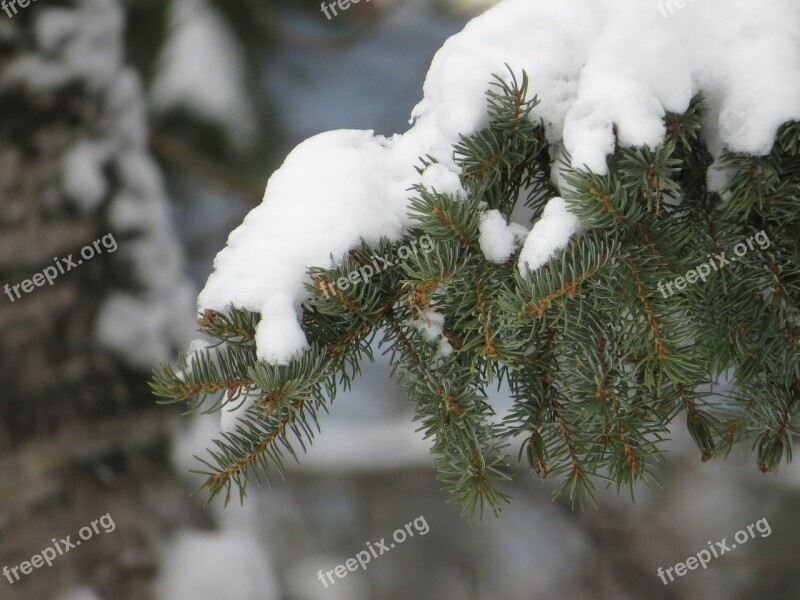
column 80, row 435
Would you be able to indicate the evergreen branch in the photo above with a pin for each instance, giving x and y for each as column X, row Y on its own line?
column 662, row 350
column 236, row 471
column 599, row 363
column 236, row 325
column 557, row 280
column 213, row 371
column 698, row 425
column 261, row 436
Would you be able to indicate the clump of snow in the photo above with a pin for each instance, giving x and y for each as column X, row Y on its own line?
column 744, row 58
column 328, row 210
column 84, row 182
column 280, row 337
column 443, row 180
column 578, row 54
column 550, row 234
column 445, row 348
column 431, row 324
column 596, row 67
column 498, row 240
column 201, row 68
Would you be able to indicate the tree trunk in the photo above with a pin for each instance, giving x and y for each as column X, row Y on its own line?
column 80, row 435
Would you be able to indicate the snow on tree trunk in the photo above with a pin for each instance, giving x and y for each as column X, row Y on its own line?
column 78, row 429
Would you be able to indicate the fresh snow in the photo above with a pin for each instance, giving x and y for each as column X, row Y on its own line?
column 550, row 234
column 281, row 337
column 498, row 239
column 430, row 324
column 594, row 65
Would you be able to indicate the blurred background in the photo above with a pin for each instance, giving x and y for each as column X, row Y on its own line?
column 160, row 122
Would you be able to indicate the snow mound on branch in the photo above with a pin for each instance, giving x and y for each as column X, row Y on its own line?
column 333, row 191
column 550, row 234
column 596, row 67
column 431, row 324
column 498, row 239
column 443, row 180
column 281, row 335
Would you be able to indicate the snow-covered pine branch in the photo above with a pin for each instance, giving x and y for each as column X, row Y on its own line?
column 633, row 146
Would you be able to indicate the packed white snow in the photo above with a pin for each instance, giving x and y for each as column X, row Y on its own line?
column 550, row 234
column 430, row 324
column 281, row 337
column 595, row 66
column 498, row 240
